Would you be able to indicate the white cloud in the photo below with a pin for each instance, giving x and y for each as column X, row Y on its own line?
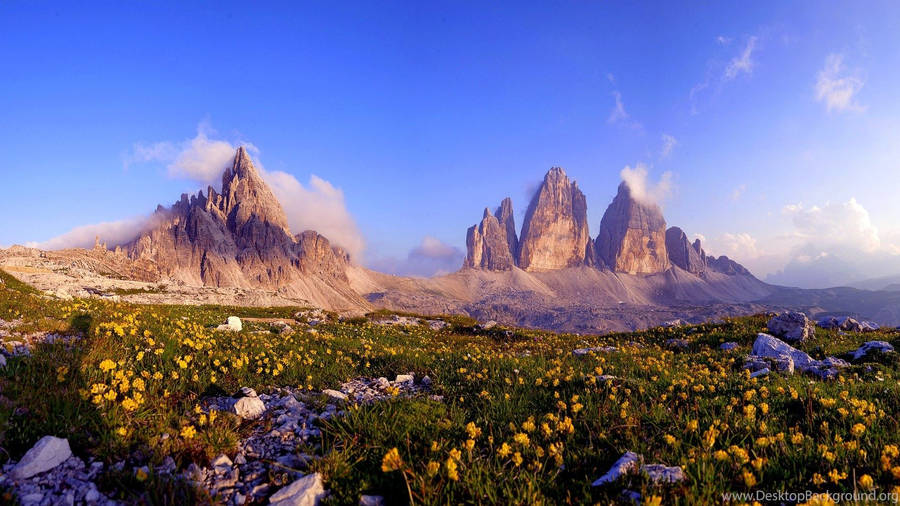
column 836, row 88
column 198, row 159
column 112, row 233
column 318, row 206
column 742, row 63
column 643, row 190
column 738, row 192
column 845, row 225
column 432, row 257
column 668, row 144
column 723, row 40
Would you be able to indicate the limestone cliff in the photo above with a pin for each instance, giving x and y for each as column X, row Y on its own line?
column 555, row 232
column 487, row 245
column 504, row 215
column 682, row 253
column 632, row 236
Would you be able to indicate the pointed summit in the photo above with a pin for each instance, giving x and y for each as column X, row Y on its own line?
column 504, row 215
column 632, row 235
column 486, row 245
column 246, row 196
column 555, row 232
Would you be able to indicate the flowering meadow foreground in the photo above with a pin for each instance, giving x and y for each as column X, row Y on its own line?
column 144, row 397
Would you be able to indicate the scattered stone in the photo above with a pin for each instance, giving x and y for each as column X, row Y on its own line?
column 46, row 454
column 767, row 347
column 872, row 347
column 436, row 325
column 488, row 325
column 792, row 326
column 249, row 408
column 762, row 372
column 678, row 343
column 675, row 323
column 731, row 345
column 306, row 491
column 245, row 392
column 580, row 352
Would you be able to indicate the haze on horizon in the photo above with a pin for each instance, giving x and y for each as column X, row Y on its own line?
column 771, row 130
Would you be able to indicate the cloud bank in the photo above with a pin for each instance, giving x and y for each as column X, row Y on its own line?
column 642, row 189
column 113, row 233
column 833, row 244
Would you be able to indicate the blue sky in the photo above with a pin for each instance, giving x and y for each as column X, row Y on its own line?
column 782, row 119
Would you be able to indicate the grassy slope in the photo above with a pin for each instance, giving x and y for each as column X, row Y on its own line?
column 690, row 408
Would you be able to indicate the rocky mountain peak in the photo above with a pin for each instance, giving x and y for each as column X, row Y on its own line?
column 507, row 221
column 246, row 196
column 555, row 232
column 682, row 253
column 632, row 235
column 487, row 246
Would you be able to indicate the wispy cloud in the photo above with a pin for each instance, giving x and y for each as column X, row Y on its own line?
column 619, row 115
column 742, row 63
column 723, row 40
column 738, row 192
column 668, row 144
column 837, row 88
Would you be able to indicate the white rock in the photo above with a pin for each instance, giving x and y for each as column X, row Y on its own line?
column 627, row 463
column 728, row 346
column 771, row 347
column 405, row 378
column 46, row 454
column 234, row 324
column 661, row 473
column 792, row 326
column 334, row 394
column 249, row 408
column 762, row 372
column 371, row 500
column 306, row 491
column 872, row 346
column 580, row 352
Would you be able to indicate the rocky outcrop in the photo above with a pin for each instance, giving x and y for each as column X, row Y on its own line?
column 722, row 264
column 792, row 326
column 487, row 245
column 240, row 238
column 555, row 232
column 682, row 253
column 632, row 236
column 504, row 215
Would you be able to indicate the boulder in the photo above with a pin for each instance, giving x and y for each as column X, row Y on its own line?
column 629, row 462
column 786, row 358
column 249, row 408
column 335, row 395
column 46, row 454
column 872, row 347
column 731, row 345
column 234, row 325
column 371, row 500
column 792, row 326
column 307, row 491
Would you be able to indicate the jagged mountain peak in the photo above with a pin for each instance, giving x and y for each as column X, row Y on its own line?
column 246, row 196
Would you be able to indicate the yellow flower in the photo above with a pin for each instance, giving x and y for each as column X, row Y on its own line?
column 521, row 438
column 504, row 450
column 817, row 479
column 452, row 473
column 517, row 459
column 391, row 461
column 720, row 455
column 107, row 365
column 653, row 500
column 749, row 479
column 433, row 468
column 820, row 500
column 455, row 454
column 692, row 425
column 866, row 482
column 470, row 444
column 836, row 476
column 858, row 429
column 474, row 431
column 669, row 439
column 188, row 432
column 122, row 431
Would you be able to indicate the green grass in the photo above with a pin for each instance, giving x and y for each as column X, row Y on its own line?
column 690, row 408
